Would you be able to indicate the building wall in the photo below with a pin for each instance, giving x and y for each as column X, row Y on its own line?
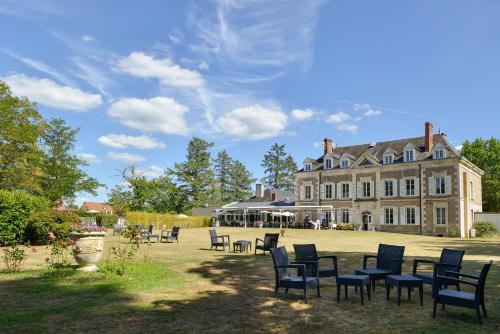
column 425, row 201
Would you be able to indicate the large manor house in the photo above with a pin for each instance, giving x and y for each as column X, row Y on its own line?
column 416, row 185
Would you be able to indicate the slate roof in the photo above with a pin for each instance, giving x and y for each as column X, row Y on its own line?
column 378, row 149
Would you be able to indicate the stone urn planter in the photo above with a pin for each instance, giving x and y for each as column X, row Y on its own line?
column 88, row 247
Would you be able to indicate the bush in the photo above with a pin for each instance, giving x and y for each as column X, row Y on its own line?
column 106, row 220
column 41, row 223
column 485, row 229
column 342, row 226
column 15, row 208
column 166, row 220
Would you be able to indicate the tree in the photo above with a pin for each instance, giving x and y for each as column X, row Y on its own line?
column 279, row 167
column 222, row 170
column 240, row 182
column 20, row 156
column 167, row 197
column 62, row 174
column 195, row 175
column 486, row 155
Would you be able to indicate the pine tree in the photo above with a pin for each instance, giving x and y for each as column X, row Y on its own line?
column 241, row 181
column 279, row 168
column 222, row 170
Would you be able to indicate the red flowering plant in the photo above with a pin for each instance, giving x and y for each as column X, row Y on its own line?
column 87, row 228
column 58, row 259
column 15, row 256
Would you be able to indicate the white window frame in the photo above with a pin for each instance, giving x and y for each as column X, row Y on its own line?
column 391, row 216
column 308, row 167
column 441, row 216
column 345, row 213
column 440, row 153
column 386, row 182
column 306, row 195
column 409, row 188
column 344, row 163
column 329, row 163
column 366, row 189
column 410, row 152
column 348, row 190
column 409, row 219
column 329, row 185
column 388, row 158
column 440, row 185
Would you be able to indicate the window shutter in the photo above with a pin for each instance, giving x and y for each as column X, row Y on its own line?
column 322, row 191
column 382, row 215
column 395, row 187
column 417, row 216
column 447, row 181
column 395, row 215
column 351, row 191
column 302, row 192
column 333, row 190
column 339, row 190
column 312, row 192
column 350, row 216
column 359, row 190
column 381, row 188
column 432, row 186
column 402, row 215
column 372, row 189
column 402, row 188
column 417, row 186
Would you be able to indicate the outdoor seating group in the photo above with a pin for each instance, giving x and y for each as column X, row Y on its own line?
column 147, row 234
column 388, row 267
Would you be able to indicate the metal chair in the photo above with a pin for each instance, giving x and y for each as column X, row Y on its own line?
column 270, row 241
column 450, row 260
column 308, row 252
column 219, row 240
column 170, row 235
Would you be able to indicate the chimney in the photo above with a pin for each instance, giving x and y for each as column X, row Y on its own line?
column 328, row 146
column 428, row 137
column 259, row 190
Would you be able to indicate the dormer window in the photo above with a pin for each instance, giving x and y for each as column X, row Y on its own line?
column 308, row 167
column 439, row 152
column 328, row 164
column 344, row 163
column 388, row 158
column 409, row 155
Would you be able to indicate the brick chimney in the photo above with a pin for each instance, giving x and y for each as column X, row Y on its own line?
column 259, row 190
column 328, row 146
column 428, row 137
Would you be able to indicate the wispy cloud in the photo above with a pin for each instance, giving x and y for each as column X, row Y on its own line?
column 353, row 128
column 367, row 109
column 123, row 141
column 89, row 158
column 31, row 9
column 93, row 75
column 302, row 114
column 125, row 157
column 87, row 38
column 338, row 118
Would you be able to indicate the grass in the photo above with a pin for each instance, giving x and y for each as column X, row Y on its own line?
column 185, row 287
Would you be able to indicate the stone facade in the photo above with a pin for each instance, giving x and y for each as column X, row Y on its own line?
column 431, row 190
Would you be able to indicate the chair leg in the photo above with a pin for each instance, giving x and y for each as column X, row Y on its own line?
column 338, row 292
column 399, row 295
column 442, row 307
column 276, row 291
column 305, row 294
column 484, row 309
column 286, row 291
column 373, row 285
column 409, row 293
column 387, row 291
column 458, row 287
column 478, row 315
column 434, row 308
column 368, row 289
column 345, row 292
column 421, row 294
column 361, row 295
column 317, row 290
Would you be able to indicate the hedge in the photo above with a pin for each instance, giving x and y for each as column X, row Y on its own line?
column 106, row 220
column 342, row 226
column 15, row 208
column 485, row 229
column 163, row 220
column 57, row 222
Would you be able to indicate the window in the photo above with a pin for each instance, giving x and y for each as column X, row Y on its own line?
column 410, row 216
column 328, row 164
column 441, row 216
column 440, row 185
column 388, row 158
column 389, row 216
column 366, row 189
column 389, row 188
column 345, row 190
column 328, row 191
column 307, row 193
column 439, row 154
column 410, row 187
column 328, row 216
column 344, row 163
column 345, row 216
column 409, row 155
column 308, row 167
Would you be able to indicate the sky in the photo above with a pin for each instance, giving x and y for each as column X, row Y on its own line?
column 141, row 78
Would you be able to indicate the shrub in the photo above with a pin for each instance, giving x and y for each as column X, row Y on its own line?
column 15, row 257
column 15, row 208
column 166, row 220
column 342, row 226
column 106, row 220
column 485, row 229
column 40, row 224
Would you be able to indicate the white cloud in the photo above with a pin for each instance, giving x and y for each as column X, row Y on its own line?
column 302, row 114
column 123, row 141
column 151, row 171
column 158, row 114
column 87, row 38
column 93, row 75
column 348, row 127
column 51, row 94
column 125, row 157
column 459, row 147
column 369, row 110
column 339, row 117
column 142, row 65
column 253, row 122
column 89, row 158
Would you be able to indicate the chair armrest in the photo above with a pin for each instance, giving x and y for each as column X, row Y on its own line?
column 297, row 266
column 334, row 260
column 257, row 240
column 461, row 274
column 365, row 259
column 446, row 279
column 167, row 232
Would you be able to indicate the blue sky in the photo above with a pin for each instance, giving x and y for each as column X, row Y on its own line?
column 141, row 78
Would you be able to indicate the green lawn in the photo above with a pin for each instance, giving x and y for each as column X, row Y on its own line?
column 185, row 287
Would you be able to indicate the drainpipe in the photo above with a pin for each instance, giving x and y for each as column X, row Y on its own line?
column 420, row 195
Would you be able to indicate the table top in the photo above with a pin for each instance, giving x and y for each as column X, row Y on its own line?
column 242, row 242
column 403, row 278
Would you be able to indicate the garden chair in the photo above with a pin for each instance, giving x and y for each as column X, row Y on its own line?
column 450, row 260
column 389, row 262
column 148, row 234
column 459, row 298
column 284, row 279
column 170, row 235
column 219, row 240
column 270, row 241
column 308, row 252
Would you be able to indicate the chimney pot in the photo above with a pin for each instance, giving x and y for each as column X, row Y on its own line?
column 328, row 146
column 429, row 139
column 259, row 190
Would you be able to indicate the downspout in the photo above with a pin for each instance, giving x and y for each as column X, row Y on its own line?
column 420, row 195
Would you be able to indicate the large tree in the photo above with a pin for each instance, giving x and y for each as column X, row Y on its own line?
column 195, row 175
column 62, row 172
column 279, row 167
column 222, row 170
column 241, row 181
column 486, row 155
column 20, row 156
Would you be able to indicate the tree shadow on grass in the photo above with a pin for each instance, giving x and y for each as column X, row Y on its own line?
column 487, row 248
